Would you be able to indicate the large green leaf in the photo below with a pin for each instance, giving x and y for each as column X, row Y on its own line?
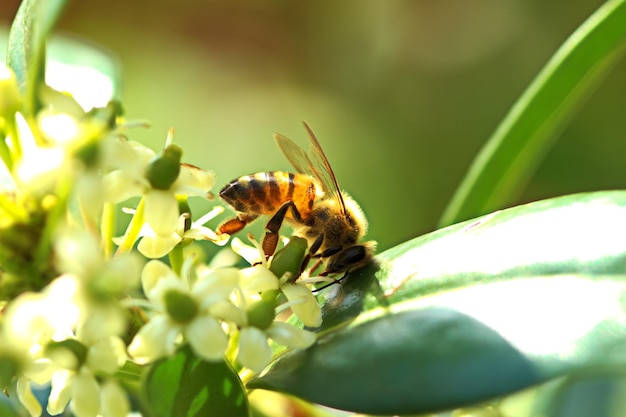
column 579, row 233
column 185, row 385
column 518, row 144
column 473, row 311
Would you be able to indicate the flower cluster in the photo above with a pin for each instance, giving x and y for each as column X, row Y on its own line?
column 80, row 303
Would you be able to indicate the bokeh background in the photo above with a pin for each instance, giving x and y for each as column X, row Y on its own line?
column 402, row 94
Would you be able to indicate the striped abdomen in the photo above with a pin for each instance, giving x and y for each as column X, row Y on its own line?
column 265, row 192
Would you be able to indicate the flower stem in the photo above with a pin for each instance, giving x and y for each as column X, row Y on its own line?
column 16, row 154
column 107, row 229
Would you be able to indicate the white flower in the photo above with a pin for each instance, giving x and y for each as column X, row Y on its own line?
column 52, row 145
column 187, row 312
column 97, row 282
column 303, row 303
column 300, row 298
column 159, row 188
column 154, row 245
column 78, row 361
column 254, row 350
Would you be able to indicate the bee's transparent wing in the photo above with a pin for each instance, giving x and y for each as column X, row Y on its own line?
column 295, row 154
column 322, row 169
column 314, row 163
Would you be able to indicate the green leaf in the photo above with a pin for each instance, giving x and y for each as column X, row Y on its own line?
column 461, row 347
column 473, row 311
column 579, row 233
column 185, row 385
column 26, row 52
column 522, row 139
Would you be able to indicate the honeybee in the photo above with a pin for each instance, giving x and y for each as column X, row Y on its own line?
column 310, row 200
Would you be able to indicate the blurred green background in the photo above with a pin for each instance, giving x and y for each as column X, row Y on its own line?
column 401, row 94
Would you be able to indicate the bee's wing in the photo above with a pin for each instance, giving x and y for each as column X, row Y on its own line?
column 322, row 169
column 314, row 163
column 295, row 154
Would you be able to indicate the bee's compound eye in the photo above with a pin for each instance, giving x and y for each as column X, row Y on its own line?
column 347, row 258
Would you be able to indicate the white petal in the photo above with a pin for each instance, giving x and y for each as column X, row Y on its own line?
column 303, row 304
column 101, row 321
column 161, row 212
column 114, row 400
column 40, row 168
column 77, row 252
column 122, row 273
column 223, row 259
column 155, row 339
column 25, row 321
column 152, row 273
column 61, row 391
column 288, row 335
column 202, row 233
column 257, row 279
column 218, row 285
column 118, row 186
column 142, row 155
column 107, row 355
column 85, row 396
column 193, row 180
column 155, row 246
column 227, row 311
column 41, row 370
column 90, row 191
column 27, row 398
column 207, row 338
column 250, row 253
column 254, row 351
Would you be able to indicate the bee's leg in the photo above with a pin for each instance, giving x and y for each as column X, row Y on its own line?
column 311, row 254
column 232, row 226
column 348, row 258
column 270, row 241
column 337, row 281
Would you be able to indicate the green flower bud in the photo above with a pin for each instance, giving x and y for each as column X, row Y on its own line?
column 261, row 314
column 289, row 259
column 164, row 168
column 68, row 353
column 180, row 306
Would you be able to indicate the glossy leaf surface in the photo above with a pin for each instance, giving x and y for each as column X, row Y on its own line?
column 474, row 311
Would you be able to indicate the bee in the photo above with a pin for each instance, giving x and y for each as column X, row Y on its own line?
column 310, row 200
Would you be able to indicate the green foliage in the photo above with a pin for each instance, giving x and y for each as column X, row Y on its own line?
column 185, row 385
column 26, row 53
column 511, row 154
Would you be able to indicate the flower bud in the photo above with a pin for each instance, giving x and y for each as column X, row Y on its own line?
column 180, row 306
column 261, row 314
column 289, row 259
column 164, row 168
